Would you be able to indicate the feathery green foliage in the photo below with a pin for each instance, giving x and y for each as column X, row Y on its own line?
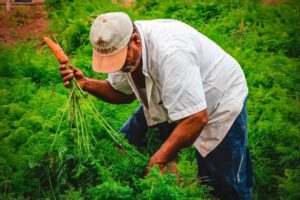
column 265, row 40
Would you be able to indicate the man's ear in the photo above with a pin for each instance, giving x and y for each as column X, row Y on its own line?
column 136, row 39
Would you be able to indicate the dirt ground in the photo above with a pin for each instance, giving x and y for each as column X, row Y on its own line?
column 23, row 22
column 274, row 1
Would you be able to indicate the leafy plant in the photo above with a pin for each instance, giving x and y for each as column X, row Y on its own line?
column 264, row 38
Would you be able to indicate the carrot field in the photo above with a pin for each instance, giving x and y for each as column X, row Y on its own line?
column 59, row 143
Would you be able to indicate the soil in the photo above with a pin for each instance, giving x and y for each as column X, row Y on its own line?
column 23, row 23
column 274, row 1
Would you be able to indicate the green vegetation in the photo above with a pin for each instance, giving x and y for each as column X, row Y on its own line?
column 264, row 38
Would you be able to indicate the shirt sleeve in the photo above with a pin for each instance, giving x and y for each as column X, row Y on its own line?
column 119, row 82
column 182, row 89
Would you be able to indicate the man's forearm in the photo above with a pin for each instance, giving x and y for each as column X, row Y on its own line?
column 103, row 90
column 184, row 135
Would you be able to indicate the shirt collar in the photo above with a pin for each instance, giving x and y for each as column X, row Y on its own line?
column 144, row 50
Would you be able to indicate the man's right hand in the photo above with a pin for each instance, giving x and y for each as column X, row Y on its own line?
column 99, row 88
column 68, row 74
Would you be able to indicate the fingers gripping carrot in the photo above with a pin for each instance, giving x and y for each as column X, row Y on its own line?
column 57, row 50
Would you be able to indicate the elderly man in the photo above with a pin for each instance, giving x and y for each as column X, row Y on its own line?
column 188, row 87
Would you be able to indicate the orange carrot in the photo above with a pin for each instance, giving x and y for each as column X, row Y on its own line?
column 57, row 50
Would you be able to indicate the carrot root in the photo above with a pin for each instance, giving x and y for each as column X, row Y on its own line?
column 57, row 50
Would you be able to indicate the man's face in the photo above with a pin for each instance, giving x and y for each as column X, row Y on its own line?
column 134, row 54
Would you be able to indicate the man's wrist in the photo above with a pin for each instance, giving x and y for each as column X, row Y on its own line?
column 83, row 84
column 166, row 153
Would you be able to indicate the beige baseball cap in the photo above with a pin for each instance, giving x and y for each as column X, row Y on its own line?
column 110, row 34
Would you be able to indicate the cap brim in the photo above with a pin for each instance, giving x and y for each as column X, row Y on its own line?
column 108, row 64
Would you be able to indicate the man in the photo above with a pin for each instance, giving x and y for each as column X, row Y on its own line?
column 189, row 88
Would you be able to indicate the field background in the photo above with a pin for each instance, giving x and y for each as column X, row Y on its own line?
column 263, row 36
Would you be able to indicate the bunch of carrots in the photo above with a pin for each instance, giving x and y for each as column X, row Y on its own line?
column 84, row 137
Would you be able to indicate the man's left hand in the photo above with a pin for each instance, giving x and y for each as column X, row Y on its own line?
column 155, row 160
column 158, row 159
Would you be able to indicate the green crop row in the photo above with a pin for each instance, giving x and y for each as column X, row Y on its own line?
column 264, row 38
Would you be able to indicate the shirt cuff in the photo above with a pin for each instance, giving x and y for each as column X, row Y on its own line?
column 187, row 112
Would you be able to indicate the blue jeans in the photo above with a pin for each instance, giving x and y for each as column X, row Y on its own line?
column 228, row 168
